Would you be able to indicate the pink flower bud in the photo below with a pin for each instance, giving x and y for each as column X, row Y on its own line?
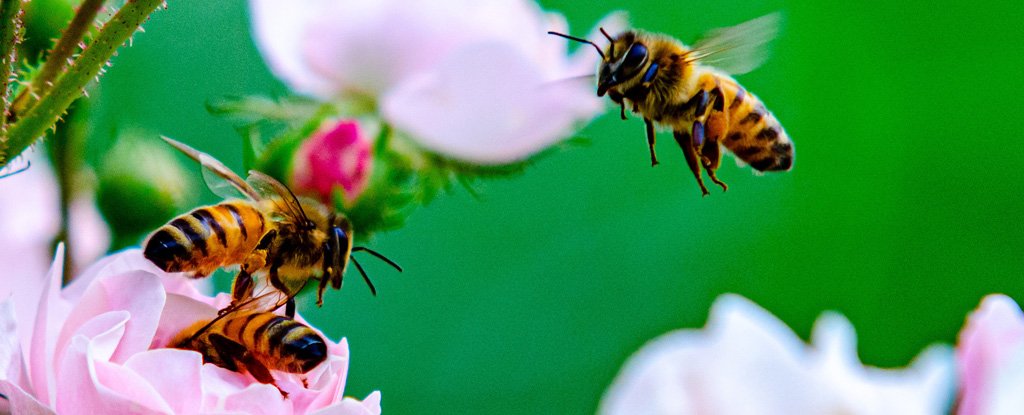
column 337, row 154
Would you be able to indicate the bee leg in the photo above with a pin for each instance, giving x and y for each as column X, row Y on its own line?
column 228, row 351
column 289, row 307
column 712, row 157
column 241, row 287
column 715, row 128
column 244, row 359
column 320, row 290
column 684, row 141
column 650, row 141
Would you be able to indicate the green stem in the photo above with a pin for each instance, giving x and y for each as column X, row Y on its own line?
column 10, row 35
column 57, row 59
column 71, row 85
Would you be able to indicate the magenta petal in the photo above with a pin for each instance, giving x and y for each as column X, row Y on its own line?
column 336, row 155
column 175, row 374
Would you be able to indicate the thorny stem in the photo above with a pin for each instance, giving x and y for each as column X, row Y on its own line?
column 66, row 155
column 57, row 59
column 71, row 85
column 11, row 26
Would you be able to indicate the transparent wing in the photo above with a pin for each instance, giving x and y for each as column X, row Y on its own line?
column 271, row 189
column 738, row 49
column 219, row 178
column 268, row 300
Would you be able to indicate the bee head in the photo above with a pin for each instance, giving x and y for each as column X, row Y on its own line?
column 337, row 250
column 625, row 59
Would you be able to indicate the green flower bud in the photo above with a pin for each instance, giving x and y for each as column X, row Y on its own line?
column 142, row 185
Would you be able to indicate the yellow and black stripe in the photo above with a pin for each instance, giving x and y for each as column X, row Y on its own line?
column 754, row 135
column 278, row 342
column 207, row 238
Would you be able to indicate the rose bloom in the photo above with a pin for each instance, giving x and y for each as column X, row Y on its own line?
column 479, row 81
column 746, row 361
column 337, row 154
column 97, row 347
column 990, row 359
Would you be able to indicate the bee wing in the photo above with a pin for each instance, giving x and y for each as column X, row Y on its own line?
column 269, row 300
column 589, row 79
column 738, row 49
column 271, row 189
column 219, row 178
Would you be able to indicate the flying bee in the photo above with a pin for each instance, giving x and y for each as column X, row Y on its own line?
column 689, row 90
column 246, row 340
column 294, row 239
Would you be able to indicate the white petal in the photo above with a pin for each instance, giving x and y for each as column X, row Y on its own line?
column 746, row 361
column 487, row 104
column 280, row 30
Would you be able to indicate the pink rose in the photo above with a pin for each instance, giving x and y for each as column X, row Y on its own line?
column 990, row 359
column 337, row 154
column 96, row 346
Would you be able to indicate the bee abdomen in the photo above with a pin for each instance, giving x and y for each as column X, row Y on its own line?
column 755, row 136
column 285, row 344
column 206, row 238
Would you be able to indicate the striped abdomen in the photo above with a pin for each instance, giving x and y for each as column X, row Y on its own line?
column 207, row 238
column 753, row 134
column 276, row 341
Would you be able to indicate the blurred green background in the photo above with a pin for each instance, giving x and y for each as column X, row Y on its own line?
column 904, row 207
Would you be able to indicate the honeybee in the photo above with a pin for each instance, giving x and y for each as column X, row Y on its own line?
column 294, row 239
column 247, row 340
column 689, row 90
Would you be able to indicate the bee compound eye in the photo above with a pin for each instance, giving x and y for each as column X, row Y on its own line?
column 635, row 56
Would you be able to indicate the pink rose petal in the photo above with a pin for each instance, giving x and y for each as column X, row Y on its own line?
column 48, row 322
column 258, row 399
column 139, row 293
column 179, row 313
column 175, row 374
column 20, row 402
column 95, row 348
column 78, row 373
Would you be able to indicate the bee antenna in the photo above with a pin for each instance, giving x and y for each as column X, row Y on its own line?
column 581, row 40
column 611, row 47
column 378, row 255
column 365, row 277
